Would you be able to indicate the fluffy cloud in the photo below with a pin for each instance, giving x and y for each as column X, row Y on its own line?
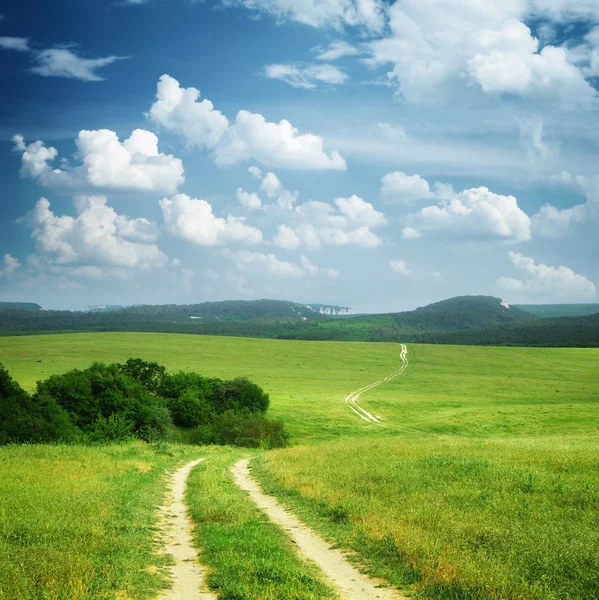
column 192, row 219
column 249, row 137
column 9, row 266
column 409, row 233
column 400, row 266
column 401, row 188
column 134, row 164
column 97, row 236
column 318, row 224
column 179, row 110
column 269, row 263
column 542, row 279
column 475, row 213
column 247, row 200
column 306, row 77
column 366, row 14
column 487, row 45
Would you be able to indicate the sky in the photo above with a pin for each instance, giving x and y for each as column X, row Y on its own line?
column 374, row 154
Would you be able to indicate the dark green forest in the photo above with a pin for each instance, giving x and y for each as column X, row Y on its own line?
column 479, row 320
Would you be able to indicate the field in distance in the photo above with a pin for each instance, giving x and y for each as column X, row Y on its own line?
column 482, row 482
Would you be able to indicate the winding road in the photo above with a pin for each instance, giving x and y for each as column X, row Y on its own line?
column 352, row 399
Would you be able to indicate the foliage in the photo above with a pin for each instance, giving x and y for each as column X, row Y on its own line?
column 136, row 399
column 479, row 320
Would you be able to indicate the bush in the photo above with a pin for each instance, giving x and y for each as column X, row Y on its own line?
column 249, row 430
column 24, row 420
column 110, row 403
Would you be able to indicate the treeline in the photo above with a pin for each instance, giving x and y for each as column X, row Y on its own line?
column 137, row 399
column 480, row 320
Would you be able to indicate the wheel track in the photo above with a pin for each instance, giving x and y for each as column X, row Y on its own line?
column 352, row 399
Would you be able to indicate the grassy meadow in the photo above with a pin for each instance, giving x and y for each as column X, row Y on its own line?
column 481, row 484
column 79, row 522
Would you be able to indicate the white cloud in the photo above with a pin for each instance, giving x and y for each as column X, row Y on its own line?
column 61, row 62
column 269, row 263
column 318, row 224
column 400, row 266
column 441, row 48
column 474, row 213
column 366, row 14
column 550, row 281
column 97, row 236
column 249, row 137
column 19, row 44
column 247, row 200
column 393, row 133
column 192, row 219
column 306, row 77
column 9, row 266
column 134, row 164
column 397, row 187
column 286, row 238
column 336, row 50
column 409, row 233
column 179, row 110
column 271, row 185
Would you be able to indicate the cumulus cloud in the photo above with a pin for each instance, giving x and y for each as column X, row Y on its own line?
column 251, row 201
column 269, row 263
column 179, row 110
column 473, row 213
column 250, row 136
column 400, row 266
column 365, row 14
column 192, row 219
column 317, row 224
column 488, row 47
column 306, row 77
column 10, row 265
column 538, row 278
column 134, row 164
column 97, row 236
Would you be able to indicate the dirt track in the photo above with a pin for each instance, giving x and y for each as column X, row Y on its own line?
column 342, row 575
column 175, row 531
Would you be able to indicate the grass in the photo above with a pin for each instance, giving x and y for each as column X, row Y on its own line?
column 248, row 557
column 482, row 484
column 78, row 523
column 452, row 518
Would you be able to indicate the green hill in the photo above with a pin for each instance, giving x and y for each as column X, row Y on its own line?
column 560, row 310
column 19, row 306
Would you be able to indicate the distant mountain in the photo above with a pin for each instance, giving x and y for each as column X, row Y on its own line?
column 461, row 320
column 19, row 306
column 560, row 310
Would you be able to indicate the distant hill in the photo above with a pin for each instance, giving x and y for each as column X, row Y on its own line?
column 19, row 306
column 560, row 310
column 482, row 320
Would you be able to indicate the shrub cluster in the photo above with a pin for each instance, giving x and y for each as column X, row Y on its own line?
column 137, row 399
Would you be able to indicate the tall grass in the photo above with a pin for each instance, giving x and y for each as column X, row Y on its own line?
column 79, row 522
column 452, row 518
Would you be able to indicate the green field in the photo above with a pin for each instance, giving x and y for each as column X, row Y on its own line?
column 482, row 483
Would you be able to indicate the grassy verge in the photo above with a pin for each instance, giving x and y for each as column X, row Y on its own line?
column 452, row 518
column 249, row 557
column 78, row 522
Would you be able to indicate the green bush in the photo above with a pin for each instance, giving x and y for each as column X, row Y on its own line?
column 109, row 403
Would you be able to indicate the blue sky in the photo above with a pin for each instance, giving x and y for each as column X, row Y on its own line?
column 367, row 153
